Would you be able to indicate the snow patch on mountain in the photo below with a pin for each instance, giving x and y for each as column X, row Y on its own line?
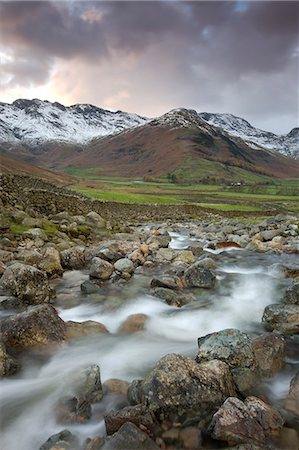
column 236, row 126
column 35, row 121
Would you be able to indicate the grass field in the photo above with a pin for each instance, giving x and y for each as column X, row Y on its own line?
column 279, row 196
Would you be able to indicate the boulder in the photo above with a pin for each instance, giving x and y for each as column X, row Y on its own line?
column 230, row 346
column 268, row 352
column 197, row 276
column 124, row 266
column 184, row 256
column 60, row 441
column 100, row 269
column 130, row 437
column 115, row 386
column 94, row 443
column 282, row 318
column 133, row 323
column 138, row 415
column 51, row 263
column 8, row 365
column 78, row 329
column 165, row 282
column 27, row 283
column 73, row 258
column 89, row 287
column 38, row 326
column 95, row 219
column 291, row 403
column 171, row 297
column 36, row 233
column 80, row 390
column 178, row 388
column 252, row 422
column 165, row 255
column 291, row 295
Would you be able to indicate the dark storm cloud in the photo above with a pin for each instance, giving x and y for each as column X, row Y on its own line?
column 203, row 51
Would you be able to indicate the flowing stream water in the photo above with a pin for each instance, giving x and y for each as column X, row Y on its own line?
column 247, row 282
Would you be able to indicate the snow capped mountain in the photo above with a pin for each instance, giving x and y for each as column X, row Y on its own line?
column 35, row 121
column 236, row 126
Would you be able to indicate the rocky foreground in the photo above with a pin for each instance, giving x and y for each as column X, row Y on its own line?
column 213, row 400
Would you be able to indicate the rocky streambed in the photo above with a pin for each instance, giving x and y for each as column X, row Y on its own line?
column 163, row 336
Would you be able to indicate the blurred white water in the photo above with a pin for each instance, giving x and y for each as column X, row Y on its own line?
column 27, row 400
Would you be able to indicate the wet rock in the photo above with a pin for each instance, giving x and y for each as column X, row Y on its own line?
column 268, row 352
column 268, row 235
column 130, row 437
column 165, row 282
column 26, row 282
column 171, row 297
column 207, row 263
column 115, row 386
column 230, row 346
column 100, row 269
column 291, row 296
column 133, row 323
column 138, row 415
column 89, row 327
column 38, row 326
column 88, row 287
column 134, row 393
column 124, row 266
column 94, row 444
column 9, row 302
column 80, row 390
column 8, row 365
column 250, row 422
column 73, row 258
column 62, row 440
column 282, row 318
column 51, row 263
column 196, row 249
column 197, row 276
column 267, row 416
column 288, row 440
column 178, row 388
column 291, row 403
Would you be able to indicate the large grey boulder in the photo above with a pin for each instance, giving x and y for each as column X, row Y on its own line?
column 178, row 388
column 62, row 440
column 282, row 318
column 36, row 327
column 230, row 346
column 198, row 276
column 27, row 283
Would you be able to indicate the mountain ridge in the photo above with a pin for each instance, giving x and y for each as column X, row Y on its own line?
column 37, row 121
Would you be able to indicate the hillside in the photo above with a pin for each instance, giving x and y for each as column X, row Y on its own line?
column 183, row 142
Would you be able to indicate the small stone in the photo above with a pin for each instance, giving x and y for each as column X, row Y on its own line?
column 100, row 269
column 89, row 327
column 124, row 265
column 134, row 323
column 291, row 296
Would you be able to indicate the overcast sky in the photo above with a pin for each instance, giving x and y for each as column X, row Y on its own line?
column 149, row 57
